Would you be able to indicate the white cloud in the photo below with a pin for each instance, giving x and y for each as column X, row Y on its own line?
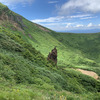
column 76, row 26
column 73, row 26
column 64, row 23
column 54, row 24
column 10, row 2
column 79, row 25
column 90, row 25
column 51, row 2
column 80, row 16
column 72, row 6
column 62, row 18
column 69, row 25
column 50, row 19
column 88, row 17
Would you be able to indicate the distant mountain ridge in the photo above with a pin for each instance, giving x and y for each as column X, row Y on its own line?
column 85, row 31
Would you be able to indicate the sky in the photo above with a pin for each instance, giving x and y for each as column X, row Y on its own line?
column 79, row 16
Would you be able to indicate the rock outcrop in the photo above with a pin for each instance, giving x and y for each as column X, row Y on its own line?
column 53, row 56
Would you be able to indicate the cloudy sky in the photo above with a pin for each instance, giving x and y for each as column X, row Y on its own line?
column 60, row 15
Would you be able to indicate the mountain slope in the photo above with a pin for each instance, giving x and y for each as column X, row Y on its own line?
column 71, row 47
column 25, row 73
column 74, row 50
column 19, row 69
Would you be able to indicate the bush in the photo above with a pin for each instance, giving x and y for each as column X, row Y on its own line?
column 6, row 72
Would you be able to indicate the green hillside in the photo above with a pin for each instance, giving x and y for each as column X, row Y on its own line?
column 74, row 50
column 25, row 73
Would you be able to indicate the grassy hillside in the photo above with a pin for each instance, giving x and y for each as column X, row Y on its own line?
column 22, row 73
column 74, row 50
column 25, row 73
column 85, row 47
column 71, row 47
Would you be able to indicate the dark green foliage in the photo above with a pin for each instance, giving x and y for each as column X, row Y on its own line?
column 88, row 44
column 9, row 44
column 18, row 45
column 24, row 64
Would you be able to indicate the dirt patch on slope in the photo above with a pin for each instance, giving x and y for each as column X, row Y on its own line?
column 89, row 73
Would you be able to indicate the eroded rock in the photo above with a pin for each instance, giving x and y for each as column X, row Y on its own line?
column 53, row 56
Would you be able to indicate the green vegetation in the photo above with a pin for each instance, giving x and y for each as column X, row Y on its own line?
column 25, row 73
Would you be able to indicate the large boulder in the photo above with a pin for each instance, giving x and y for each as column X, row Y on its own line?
column 53, row 56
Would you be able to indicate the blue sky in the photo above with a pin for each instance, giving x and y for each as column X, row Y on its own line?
column 60, row 15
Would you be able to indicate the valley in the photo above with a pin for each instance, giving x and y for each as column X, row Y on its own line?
column 25, row 72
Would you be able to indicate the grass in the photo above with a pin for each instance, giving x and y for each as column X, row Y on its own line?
column 20, row 76
column 72, row 49
column 24, row 92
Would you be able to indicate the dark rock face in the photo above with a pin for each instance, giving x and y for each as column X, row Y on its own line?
column 53, row 56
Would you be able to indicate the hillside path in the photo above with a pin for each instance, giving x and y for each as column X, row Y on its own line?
column 90, row 73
